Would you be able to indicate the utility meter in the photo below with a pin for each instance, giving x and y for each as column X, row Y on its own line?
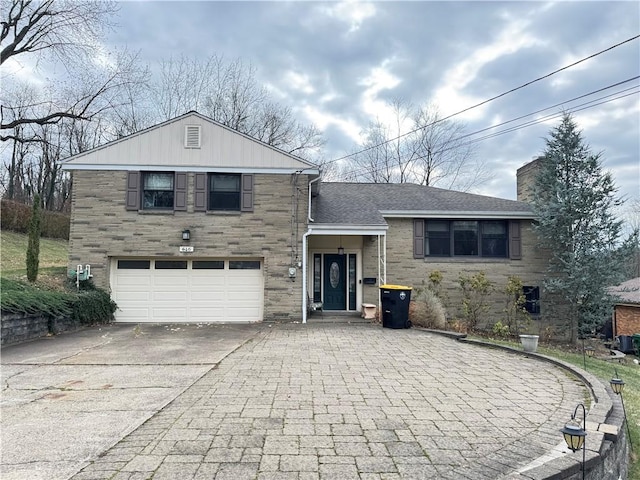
column 292, row 272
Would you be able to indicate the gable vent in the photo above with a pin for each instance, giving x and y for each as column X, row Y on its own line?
column 192, row 136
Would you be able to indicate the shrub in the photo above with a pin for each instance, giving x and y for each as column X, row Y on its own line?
column 15, row 217
column 427, row 310
column 86, row 307
column 18, row 297
column 33, row 248
column 476, row 290
column 516, row 315
column 93, row 306
column 500, row 330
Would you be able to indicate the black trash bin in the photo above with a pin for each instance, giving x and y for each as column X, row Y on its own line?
column 395, row 306
column 626, row 343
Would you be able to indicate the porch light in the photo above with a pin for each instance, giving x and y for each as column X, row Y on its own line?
column 340, row 248
column 574, row 435
column 186, row 234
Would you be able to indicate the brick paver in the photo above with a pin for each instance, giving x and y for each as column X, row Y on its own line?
column 339, row 401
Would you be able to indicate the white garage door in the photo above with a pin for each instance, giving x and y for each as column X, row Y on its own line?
column 187, row 291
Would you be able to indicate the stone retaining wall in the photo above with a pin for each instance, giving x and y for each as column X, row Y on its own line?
column 19, row 327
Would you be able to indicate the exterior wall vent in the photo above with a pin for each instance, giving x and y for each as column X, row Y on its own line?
column 192, row 136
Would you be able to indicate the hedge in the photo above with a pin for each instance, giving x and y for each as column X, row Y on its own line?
column 87, row 307
column 15, row 217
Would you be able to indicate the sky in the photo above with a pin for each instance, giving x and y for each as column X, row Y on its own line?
column 337, row 64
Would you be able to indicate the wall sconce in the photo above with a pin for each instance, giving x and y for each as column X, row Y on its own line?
column 617, row 385
column 186, row 235
column 575, row 435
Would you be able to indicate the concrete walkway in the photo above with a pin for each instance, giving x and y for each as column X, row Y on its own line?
column 337, row 401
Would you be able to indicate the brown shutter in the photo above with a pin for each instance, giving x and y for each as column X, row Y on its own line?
column 200, row 193
column 515, row 244
column 418, row 238
column 132, row 198
column 180, row 191
column 247, row 193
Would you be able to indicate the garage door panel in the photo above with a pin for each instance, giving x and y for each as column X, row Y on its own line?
column 131, row 296
column 169, row 296
column 188, row 295
column 129, row 314
column 207, row 314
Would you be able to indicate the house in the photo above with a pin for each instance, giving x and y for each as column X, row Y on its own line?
column 190, row 221
column 626, row 310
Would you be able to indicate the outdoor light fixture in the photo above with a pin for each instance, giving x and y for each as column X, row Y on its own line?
column 590, row 351
column 186, row 234
column 340, row 248
column 617, row 385
column 575, row 435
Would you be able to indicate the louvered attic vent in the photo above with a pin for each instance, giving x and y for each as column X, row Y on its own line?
column 192, row 136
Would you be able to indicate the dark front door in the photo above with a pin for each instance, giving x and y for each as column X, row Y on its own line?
column 335, row 292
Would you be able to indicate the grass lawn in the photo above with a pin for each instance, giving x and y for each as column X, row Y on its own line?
column 53, row 256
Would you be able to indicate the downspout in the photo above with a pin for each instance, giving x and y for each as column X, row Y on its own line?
column 305, row 254
column 309, row 213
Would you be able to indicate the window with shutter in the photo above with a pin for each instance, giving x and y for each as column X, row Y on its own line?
column 158, row 190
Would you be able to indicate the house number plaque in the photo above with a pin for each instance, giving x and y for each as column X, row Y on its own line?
column 186, row 249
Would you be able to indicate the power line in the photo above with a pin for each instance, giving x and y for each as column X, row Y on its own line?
column 573, row 109
column 485, row 101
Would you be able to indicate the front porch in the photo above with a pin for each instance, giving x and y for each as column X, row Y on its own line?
column 342, row 269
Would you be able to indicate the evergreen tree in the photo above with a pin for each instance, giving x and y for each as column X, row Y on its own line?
column 33, row 248
column 574, row 201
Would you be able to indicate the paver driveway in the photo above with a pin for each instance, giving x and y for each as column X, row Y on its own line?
column 335, row 401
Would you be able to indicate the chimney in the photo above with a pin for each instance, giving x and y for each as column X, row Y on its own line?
column 525, row 179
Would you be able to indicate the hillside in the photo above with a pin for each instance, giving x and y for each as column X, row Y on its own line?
column 53, row 255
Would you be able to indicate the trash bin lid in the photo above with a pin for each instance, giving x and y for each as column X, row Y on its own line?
column 395, row 287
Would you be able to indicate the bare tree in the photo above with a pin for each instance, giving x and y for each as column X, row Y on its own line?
column 229, row 92
column 442, row 154
column 66, row 32
column 417, row 146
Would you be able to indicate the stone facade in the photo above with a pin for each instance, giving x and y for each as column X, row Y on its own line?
column 526, row 176
column 101, row 229
column 403, row 269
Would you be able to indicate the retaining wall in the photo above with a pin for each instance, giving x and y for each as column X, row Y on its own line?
column 18, row 327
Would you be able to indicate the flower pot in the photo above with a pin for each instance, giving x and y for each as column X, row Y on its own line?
column 529, row 343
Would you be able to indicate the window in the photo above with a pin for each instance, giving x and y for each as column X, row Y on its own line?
column 157, row 191
column 495, row 235
column 532, row 299
column 208, row 265
column 244, row 265
column 224, row 192
column 317, row 273
column 171, row 264
column 464, row 238
column 438, row 238
column 134, row 264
